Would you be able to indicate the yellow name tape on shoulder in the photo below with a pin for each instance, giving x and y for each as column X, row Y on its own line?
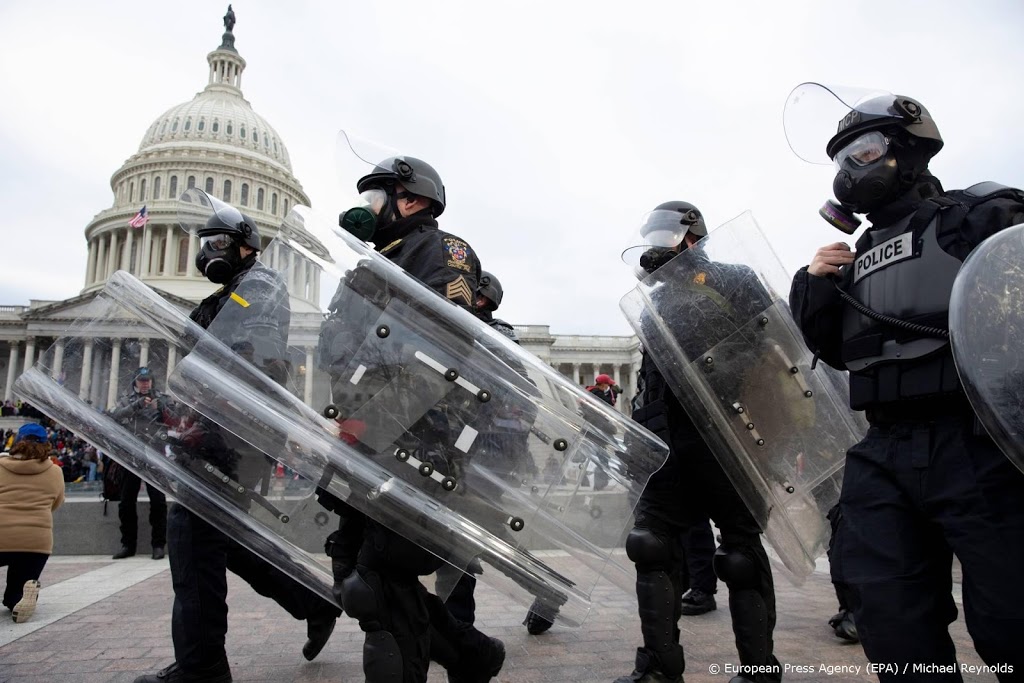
column 239, row 300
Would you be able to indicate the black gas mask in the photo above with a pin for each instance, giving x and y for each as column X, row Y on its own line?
column 219, row 258
column 868, row 175
column 656, row 257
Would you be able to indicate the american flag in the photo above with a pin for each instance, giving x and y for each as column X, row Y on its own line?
column 141, row 218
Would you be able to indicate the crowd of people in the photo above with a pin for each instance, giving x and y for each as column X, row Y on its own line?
column 77, row 459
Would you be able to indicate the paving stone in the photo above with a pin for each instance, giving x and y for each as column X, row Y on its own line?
column 128, row 634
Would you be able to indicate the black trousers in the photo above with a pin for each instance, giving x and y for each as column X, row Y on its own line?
column 914, row 494
column 684, row 493
column 129, row 516
column 21, row 567
column 200, row 556
column 698, row 554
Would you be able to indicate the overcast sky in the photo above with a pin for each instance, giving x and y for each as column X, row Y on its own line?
column 555, row 125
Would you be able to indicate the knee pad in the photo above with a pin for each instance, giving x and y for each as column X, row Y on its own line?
column 736, row 568
column 360, row 600
column 382, row 660
column 647, row 549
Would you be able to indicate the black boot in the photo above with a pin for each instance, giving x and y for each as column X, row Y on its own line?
column 218, row 673
column 124, row 552
column 318, row 632
column 534, row 622
column 844, row 627
column 646, row 671
column 696, row 601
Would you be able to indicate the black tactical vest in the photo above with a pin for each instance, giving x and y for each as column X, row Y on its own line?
column 902, row 272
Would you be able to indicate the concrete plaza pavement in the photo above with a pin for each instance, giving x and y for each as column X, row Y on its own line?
column 100, row 620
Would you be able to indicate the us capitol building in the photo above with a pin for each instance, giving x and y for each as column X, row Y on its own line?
column 216, row 142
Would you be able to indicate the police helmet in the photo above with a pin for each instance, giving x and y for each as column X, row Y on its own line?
column 418, row 177
column 691, row 216
column 245, row 231
column 894, row 114
column 491, row 288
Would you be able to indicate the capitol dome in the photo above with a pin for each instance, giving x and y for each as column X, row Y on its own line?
column 220, row 116
column 217, row 143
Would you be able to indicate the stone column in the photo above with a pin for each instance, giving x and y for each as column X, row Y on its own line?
column 626, row 382
column 112, row 255
column 86, row 380
column 168, row 255
column 292, row 275
column 115, row 369
column 307, row 394
column 147, row 247
column 172, row 360
column 143, row 352
column 129, row 243
column 58, row 359
column 30, row 353
column 193, row 247
column 12, row 364
column 101, row 258
column 96, row 382
column 90, row 269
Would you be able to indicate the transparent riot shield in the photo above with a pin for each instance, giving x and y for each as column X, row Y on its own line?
column 86, row 381
column 716, row 322
column 440, row 429
column 986, row 329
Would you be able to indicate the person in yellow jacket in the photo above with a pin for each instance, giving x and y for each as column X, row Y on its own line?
column 31, row 488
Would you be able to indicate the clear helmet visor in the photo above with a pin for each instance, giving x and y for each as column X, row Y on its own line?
column 864, row 150
column 355, row 158
column 373, row 199
column 662, row 229
column 196, row 208
column 813, row 111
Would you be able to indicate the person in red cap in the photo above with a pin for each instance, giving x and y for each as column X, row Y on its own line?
column 605, row 389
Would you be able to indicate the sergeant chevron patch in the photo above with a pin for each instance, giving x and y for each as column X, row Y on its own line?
column 460, row 289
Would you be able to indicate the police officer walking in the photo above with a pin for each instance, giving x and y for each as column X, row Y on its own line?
column 926, row 482
column 685, row 492
column 376, row 571
column 146, row 409
column 460, row 586
column 252, row 310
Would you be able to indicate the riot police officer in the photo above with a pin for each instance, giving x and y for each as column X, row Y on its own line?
column 253, row 312
column 488, row 298
column 376, row 571
column 688, row 489
column 147, row 409
column 459, row 586
column 925, row 482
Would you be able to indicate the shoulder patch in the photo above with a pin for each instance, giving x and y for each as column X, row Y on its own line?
column 459, row 289
column 457, row 254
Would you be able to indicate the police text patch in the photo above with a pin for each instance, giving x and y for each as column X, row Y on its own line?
column 457, row 254
column 459, row 289
column 891, row 251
